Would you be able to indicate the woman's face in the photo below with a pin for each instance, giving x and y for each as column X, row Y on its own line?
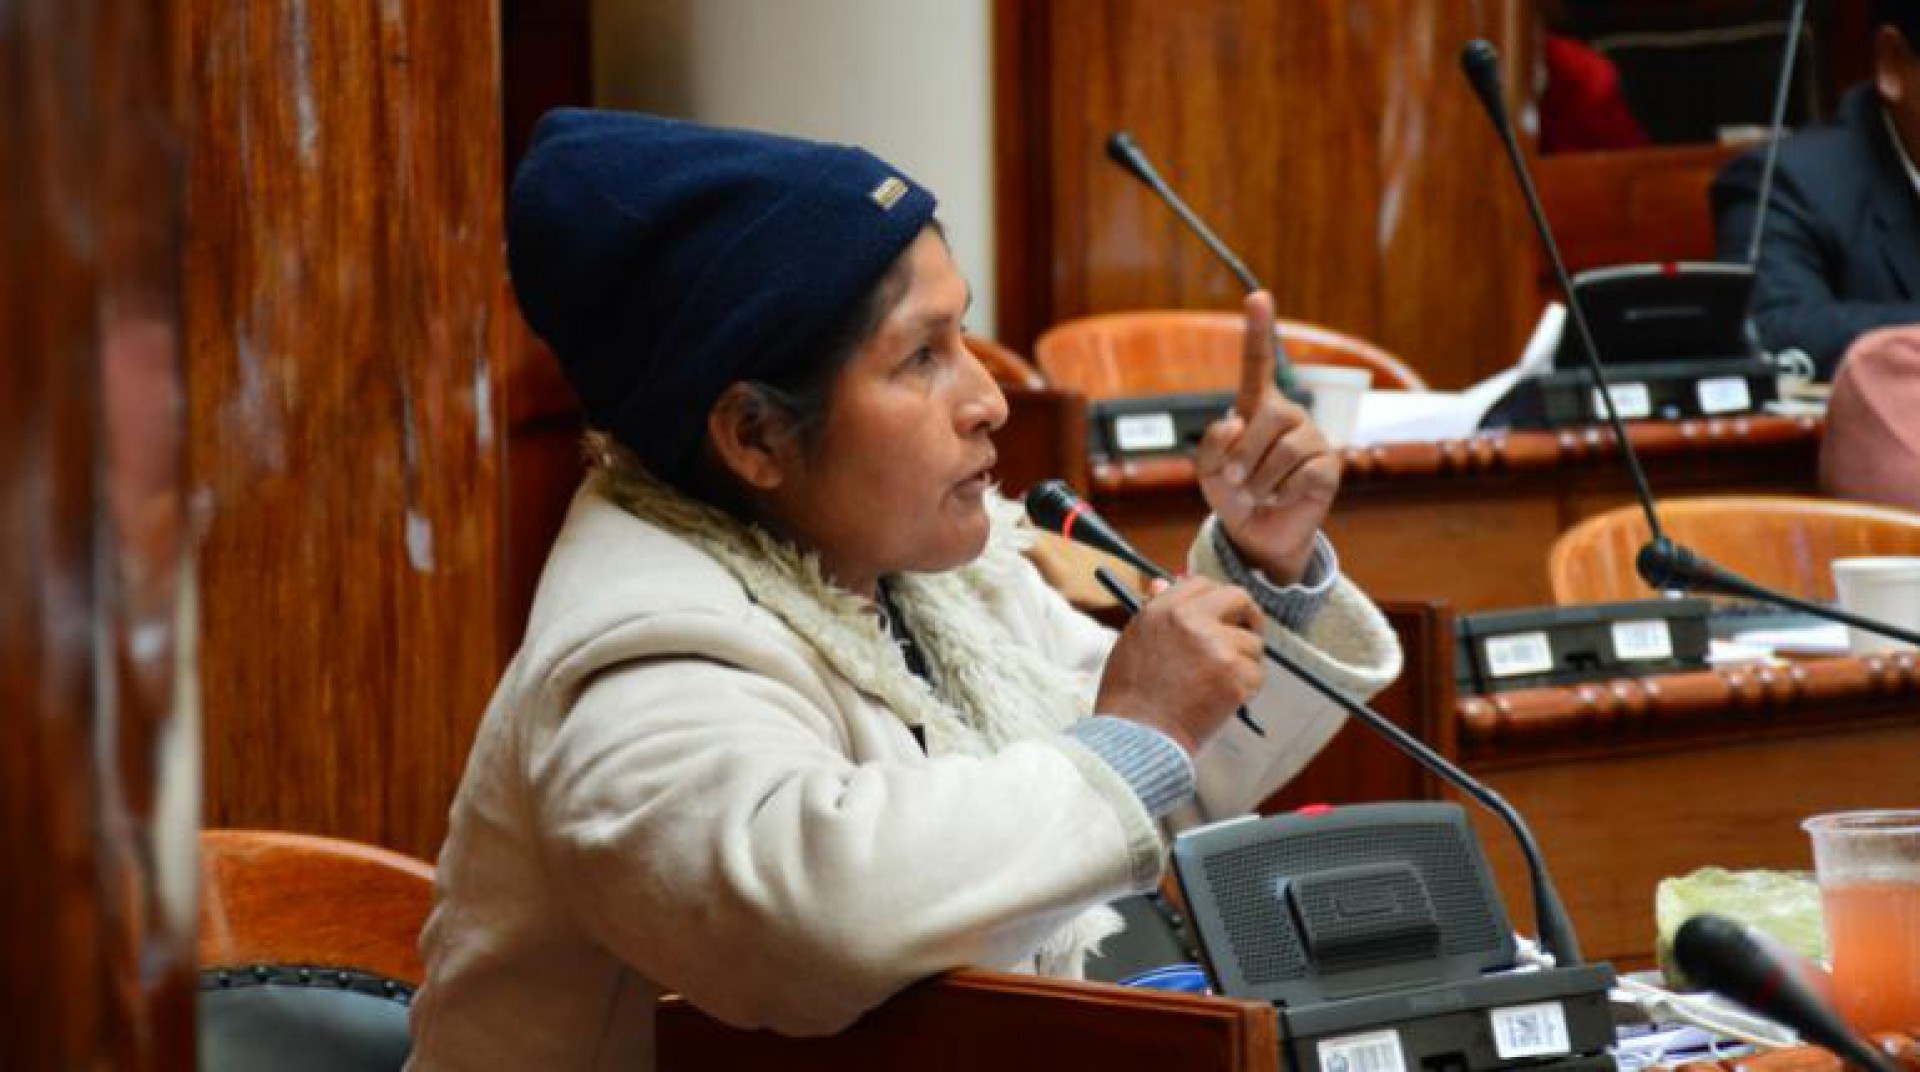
column 897, row 476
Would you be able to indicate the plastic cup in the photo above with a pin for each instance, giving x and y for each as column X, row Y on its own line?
column 1886, row 589
column 1868, row 865
column 1337, row 390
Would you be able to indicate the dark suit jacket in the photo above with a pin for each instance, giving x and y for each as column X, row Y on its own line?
column 1841, row 253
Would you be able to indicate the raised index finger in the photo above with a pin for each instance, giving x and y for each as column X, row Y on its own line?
column 1257, row 354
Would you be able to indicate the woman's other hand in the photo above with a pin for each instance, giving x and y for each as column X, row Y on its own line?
column 1265, row 469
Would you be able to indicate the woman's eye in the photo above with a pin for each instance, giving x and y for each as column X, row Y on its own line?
column 921, row 358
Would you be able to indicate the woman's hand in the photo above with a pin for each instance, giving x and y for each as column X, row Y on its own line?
column 1266, row 470
column 1186, row 662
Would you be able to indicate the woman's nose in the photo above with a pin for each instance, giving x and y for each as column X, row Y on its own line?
column 983, row 407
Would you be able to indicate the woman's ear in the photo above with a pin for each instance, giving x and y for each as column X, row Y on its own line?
column 1893, row 65
column 749, row 436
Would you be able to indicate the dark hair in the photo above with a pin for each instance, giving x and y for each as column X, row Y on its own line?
column 1902, row 15
column 805, row 398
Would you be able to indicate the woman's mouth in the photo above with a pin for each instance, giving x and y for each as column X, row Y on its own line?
column 977, row 483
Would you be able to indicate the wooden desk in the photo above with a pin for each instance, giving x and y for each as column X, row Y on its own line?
column 981, row 1019
column 1469, row 521
column 1902, row 1047
column 1627, row 782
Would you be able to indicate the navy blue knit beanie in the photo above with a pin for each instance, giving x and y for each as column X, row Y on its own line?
column 664, row 260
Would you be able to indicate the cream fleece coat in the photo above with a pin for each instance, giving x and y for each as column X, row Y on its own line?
column 699, row 774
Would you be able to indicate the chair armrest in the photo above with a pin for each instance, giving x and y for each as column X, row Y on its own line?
column 978, row 1019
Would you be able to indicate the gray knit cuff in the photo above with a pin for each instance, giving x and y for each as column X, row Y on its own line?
column 1294, row 605
column 1159, row 771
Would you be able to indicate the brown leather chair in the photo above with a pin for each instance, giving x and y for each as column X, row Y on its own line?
column 309, row 951
column 1781, row 542
column 1119, row 355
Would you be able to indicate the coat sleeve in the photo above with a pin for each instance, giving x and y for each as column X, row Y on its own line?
column 711, row 830
column 1349, row 643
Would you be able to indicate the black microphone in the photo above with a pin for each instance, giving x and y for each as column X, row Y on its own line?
column 1731, row 961
column 1053, row 506
column 1124, row 151
column 1663, row 564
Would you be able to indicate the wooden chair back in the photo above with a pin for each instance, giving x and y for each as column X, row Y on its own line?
column 1781, row 542
column 270, row 897
column 1121, row 355
column 978, row 1019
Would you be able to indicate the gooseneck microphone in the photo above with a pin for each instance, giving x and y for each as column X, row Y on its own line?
column 1124, row 151
column 1663, row 564
column 1481, row 62
column 1780, row 91
column 1054, row 506
column 1726, row 958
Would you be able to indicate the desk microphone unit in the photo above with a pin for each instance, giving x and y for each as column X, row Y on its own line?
column 1152, row 425
column 1667, row 391
column 1676, row 337
column 1377, row 932
column 1546, row 647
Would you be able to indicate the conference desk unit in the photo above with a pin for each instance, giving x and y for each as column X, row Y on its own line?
column 1630, row 781
column 1470, row 520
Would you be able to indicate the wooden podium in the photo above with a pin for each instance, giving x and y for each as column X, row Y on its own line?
column 977, row 1019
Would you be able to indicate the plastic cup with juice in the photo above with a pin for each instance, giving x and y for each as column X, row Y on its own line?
column 1868, row 864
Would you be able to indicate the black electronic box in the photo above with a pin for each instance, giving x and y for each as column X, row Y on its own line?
column 1546, row 646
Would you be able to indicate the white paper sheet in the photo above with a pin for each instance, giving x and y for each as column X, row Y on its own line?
column 1424, row 416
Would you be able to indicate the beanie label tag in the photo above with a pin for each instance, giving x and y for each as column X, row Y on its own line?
column 889, row 192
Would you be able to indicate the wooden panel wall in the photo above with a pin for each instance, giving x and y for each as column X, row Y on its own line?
column 346, row 317
column 1333, row 143
column 98, row 785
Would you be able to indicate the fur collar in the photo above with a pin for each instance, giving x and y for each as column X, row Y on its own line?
column 991, row 690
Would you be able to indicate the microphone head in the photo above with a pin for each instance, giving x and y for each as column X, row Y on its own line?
column 1124, row 151
column 1715, row 952
column 1723, row 956
column 1049, row 502
column 1053, row 505
column 1480, row 61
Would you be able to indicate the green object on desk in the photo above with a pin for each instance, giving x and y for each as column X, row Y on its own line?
column 1784, row 904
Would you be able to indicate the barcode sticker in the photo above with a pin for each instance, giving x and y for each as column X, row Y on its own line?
column 1375, row 1051
column 1724, row 394
column 1631, row 399
column 1519, row 653
column 1642, row 640
column 1144, row 431
column 1530, row 1030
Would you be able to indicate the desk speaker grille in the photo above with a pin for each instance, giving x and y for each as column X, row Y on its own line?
column 1264, row 938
